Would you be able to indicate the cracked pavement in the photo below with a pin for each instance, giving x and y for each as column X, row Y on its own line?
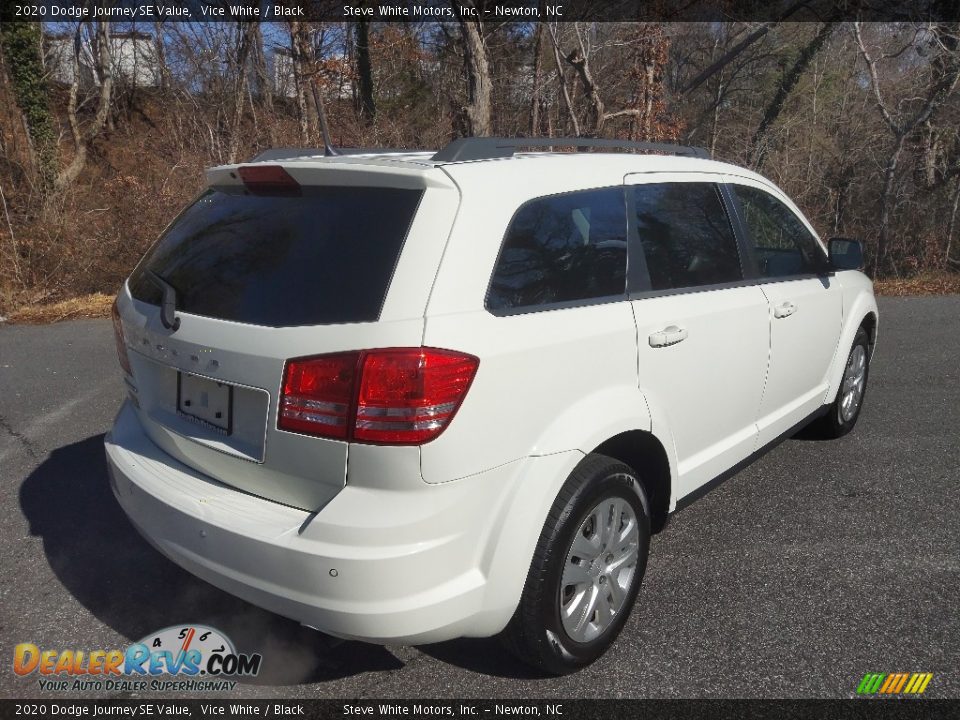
column 817, row 564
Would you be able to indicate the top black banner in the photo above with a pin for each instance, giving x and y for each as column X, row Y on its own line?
column 484, row 10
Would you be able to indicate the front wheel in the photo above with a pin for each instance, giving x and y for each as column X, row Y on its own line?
column 843, row 412
column 587, row 568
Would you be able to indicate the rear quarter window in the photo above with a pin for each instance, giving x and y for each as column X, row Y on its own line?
column 325, row 255
column 562, row 249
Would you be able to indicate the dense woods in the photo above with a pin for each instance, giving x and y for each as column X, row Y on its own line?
column 106, row 130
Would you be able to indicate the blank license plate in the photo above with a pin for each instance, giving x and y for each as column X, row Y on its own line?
column 206, row 401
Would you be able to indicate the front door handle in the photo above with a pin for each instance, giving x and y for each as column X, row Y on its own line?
column 784, row 309
column 668, row 336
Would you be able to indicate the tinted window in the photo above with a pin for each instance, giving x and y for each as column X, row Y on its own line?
column 782, row 244
column 686, row 236
column 323, row 256
column 563, row 248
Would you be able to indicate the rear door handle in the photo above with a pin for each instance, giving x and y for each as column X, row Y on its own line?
column 668, row 336
column 784, row 309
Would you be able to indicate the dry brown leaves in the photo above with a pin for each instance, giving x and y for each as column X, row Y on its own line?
column 86, row 306
column 940, row 283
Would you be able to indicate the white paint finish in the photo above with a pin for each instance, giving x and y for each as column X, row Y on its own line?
column 298, row 470
column 806, row 315
column 707, row 388
column 412, row 567
column 546, row 381
column 858, row 303
column 802, row 346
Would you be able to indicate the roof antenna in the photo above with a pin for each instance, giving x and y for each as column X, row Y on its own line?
column 328, row 149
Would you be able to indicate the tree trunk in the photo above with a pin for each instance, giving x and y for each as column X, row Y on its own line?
column 880, row 262
column 81, row 138
column 245, row 39
column 299, row 57
column 264, row 86
column 567, row 100
column 952, row 227
column 760, row 142
column 366, row 106
column 476, row 113
column 715, row 127
column 581, row 63
column 163, row 80
column 537, row 81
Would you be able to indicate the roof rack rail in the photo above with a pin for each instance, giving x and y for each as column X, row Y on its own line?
column 488, row 148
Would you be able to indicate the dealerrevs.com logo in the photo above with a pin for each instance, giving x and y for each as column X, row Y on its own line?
column 199, row 657
column 894, row 683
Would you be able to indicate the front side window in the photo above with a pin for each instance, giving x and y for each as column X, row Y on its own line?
column 782, row 244
column 686, row 236
column 563, row 248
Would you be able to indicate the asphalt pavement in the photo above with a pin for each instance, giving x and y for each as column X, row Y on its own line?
column 819, row 563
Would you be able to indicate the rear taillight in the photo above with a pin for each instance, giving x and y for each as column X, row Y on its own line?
column 121, row 343
column 318, row 394
column 404, row 396
column 408, row 396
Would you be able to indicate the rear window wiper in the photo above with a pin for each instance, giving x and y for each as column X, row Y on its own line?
column 168, row 305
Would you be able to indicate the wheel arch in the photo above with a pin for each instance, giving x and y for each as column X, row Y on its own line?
column 869, row 323
column 860, row 310
column 646, row 455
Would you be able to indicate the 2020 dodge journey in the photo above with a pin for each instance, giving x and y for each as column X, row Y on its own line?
column 407, row 397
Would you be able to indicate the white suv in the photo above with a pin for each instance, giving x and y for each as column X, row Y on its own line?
column 408, row 397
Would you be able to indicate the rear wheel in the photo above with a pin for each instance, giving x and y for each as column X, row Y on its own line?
column 586, row 570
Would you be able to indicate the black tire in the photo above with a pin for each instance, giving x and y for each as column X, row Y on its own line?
column 834, row 424
column 536, row 634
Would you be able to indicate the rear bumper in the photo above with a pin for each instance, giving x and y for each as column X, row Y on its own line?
column 389, row 566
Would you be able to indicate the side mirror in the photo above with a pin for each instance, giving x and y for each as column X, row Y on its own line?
column 846, row 254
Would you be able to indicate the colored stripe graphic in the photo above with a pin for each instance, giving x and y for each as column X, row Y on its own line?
column 894, row 683
column 888, row 683
column 870, row 683
column 915, row 681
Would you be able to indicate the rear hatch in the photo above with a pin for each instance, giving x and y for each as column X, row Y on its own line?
column 263, row 273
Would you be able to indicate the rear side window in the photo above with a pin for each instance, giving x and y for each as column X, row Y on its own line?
column 563, row 248
column 686, row 236
column 325, row 255
column 782, row 244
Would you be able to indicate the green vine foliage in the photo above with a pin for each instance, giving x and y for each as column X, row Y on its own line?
column 21, row 43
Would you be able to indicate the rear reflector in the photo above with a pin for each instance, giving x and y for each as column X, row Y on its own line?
column 268, row 179
column 404, row 396
column 118, row 337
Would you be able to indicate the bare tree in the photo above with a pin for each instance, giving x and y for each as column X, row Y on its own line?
column 644, row 72
column 83, row 136
column 476, row 113
column 901, row 125
column 537, row 82
column 246, row 37
column 366, row 106
column 567, row 100
column 758, row 146
column 300, row 54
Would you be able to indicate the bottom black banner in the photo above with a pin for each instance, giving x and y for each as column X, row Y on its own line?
column 458, row 709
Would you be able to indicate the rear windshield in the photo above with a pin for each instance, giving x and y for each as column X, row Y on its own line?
column 323, row 256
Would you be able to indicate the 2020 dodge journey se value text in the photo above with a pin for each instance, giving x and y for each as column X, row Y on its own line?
column 407, row 397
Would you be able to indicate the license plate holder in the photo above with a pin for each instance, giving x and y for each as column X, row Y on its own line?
column 206, row 402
